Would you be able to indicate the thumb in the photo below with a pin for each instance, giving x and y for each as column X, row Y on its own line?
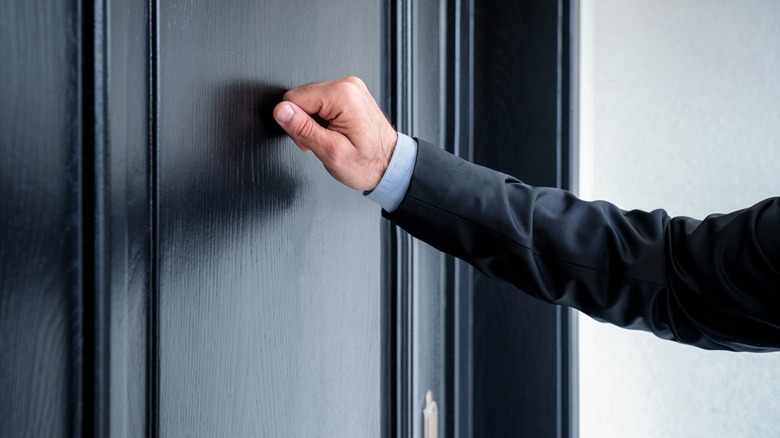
column 304, row 130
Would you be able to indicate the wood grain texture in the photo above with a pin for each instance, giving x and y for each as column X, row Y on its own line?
column 129, row 216
column 269, row 269
column 40, row 311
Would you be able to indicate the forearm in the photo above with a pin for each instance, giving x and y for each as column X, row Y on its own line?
column 626, row 268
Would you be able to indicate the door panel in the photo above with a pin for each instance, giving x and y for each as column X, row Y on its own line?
column 41, row 334
column 269, row 273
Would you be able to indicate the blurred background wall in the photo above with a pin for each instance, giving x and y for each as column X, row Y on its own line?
column 679, row 109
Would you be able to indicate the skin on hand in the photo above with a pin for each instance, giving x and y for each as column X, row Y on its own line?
column 357, row 142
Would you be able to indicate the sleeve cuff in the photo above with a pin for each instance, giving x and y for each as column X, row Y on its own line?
column 392, row 187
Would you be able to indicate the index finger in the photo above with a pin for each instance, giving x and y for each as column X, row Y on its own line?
column 328, row 99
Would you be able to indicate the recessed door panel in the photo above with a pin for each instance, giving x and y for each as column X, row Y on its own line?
column 41, row 335
column 269, row 270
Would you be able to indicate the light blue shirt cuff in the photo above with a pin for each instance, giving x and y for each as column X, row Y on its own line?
column 392, row 187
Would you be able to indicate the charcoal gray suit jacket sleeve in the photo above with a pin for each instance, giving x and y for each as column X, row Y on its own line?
column 713, row 283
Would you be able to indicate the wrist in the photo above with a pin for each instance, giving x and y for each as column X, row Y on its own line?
column 396, row 178
column 387, row 154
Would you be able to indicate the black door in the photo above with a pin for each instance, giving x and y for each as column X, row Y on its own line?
column 172, row 265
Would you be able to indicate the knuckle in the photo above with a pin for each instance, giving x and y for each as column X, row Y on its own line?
column 351, row 94
column 353, row 87
column 345, row 88
column 356, row 81
column 305, row 129
column 290, row 94
column 331, row 151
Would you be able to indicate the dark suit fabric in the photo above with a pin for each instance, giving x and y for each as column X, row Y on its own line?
column 713, row 283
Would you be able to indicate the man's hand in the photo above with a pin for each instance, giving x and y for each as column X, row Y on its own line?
column 357, row 141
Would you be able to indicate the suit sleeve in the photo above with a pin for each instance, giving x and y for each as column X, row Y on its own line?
column 714, row 283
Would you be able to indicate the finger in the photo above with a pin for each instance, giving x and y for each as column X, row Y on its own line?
column 283, row 115
column 327, row 99
column 303, row 130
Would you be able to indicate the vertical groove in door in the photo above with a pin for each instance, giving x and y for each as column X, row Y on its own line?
column 400, row 111
column 560, row 106
column 95, row 259
column 82, row 425
column 561, row 326
column 389, row 247
column 570, row 84
column 407, row 291
column 566, row 341
column 79, row 354
column 152, row 342
column 389, row 333
column 101, row 215
column 406, row 330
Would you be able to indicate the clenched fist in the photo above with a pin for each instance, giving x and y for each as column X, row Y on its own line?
column 357, row 141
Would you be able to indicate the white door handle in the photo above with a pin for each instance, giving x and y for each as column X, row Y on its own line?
column 430, row 417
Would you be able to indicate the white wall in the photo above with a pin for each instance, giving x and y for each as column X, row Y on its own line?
column 680, row 109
